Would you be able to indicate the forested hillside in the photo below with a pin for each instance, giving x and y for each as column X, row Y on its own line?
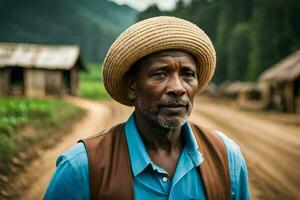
column 249, row 35
column 109, row 14
column 87, row 23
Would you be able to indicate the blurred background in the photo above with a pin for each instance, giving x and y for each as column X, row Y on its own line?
column 52, row 95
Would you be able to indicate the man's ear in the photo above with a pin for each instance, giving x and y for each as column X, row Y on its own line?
column 131, row 88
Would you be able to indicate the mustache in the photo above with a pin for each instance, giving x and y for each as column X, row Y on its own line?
column 176, row 101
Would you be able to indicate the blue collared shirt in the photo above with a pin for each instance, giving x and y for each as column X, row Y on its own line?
column 71, row 178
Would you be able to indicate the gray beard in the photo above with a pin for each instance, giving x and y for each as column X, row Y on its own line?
column 159, row 119
column 169, row 124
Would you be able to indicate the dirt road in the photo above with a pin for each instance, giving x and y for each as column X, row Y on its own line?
column 271, row 148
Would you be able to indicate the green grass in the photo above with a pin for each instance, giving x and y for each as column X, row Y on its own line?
column 26, row 121
column 90, row 83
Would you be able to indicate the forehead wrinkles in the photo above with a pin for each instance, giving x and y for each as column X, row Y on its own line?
column 163, row 57
column 162, row 54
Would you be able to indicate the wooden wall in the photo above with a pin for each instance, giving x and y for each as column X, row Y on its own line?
column 74, row 81
column 288, row 96
column 4, row 81
column 54, row 82
column 34, row 82
column 41, row 82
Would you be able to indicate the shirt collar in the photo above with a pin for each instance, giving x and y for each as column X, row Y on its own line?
column 138, row 154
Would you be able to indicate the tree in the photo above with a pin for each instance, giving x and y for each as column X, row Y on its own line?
column 238, row 52
column 272, row 34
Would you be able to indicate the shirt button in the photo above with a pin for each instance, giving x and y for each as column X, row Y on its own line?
column 164, row 179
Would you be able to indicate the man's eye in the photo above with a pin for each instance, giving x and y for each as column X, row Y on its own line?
column 188, row 73
column 159, row 74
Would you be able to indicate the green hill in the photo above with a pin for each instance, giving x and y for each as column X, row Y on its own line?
column 118, row 17
column 65, row 22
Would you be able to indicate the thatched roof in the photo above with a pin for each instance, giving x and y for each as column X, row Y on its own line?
column 238, row 86
column 39, row 56
column 286, row 70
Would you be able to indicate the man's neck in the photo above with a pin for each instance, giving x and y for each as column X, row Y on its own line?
column 157, row 138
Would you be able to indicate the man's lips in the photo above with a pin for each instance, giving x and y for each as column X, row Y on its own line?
column 174, row 107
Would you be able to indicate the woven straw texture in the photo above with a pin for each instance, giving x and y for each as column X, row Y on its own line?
column 149, row 36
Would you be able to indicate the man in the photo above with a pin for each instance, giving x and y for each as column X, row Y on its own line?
column 157, row 65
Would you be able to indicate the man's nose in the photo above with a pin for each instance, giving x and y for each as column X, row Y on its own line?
column 175, row 86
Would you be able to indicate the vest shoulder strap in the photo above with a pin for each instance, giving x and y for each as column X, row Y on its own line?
column 214, row 169
column 109, row 165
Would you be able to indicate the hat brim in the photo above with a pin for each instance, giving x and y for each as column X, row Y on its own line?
column 153, row 35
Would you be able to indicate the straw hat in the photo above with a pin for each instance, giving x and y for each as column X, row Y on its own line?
column 149, row 36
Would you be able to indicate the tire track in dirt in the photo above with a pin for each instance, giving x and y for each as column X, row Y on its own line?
column 271, row 149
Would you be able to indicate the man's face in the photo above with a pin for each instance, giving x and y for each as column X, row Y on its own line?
column 165, row 86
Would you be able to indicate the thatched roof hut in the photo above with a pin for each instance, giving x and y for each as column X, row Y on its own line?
column 247, row 95
column 39, row 70
column 288, row 69
column 284, row 80
column 234, row 88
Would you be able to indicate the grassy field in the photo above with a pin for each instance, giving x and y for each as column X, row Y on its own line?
column 24, row 122
column 90, row 84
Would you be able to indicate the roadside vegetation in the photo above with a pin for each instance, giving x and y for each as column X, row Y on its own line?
column 90, row 83
column 24, row 122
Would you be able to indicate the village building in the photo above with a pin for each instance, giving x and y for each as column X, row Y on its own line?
column 247, row 95
column 39, row 70
column 284, row 82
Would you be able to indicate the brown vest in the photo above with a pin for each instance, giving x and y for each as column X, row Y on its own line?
column 110, row 169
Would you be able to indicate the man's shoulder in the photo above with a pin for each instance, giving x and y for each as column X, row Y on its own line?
column 208, row 134
column 233, row 149
column 230, row 144
column 235, row 158
column 237, row 166
column 71, row 179
column 76, row 156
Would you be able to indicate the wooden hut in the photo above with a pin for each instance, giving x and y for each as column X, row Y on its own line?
column 247, row 95
column 38, row 70
column 284, row 81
